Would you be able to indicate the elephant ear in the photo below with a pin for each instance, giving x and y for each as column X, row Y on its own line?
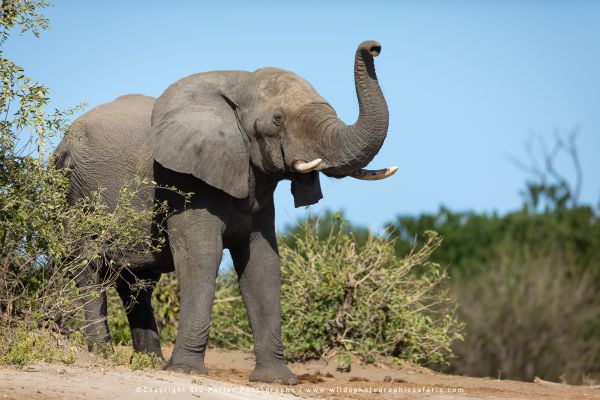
column 202, row 138
column 306, row 189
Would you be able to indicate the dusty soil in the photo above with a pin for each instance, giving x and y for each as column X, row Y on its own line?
column 228, row 379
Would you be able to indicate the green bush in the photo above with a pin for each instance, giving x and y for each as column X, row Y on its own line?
column 365, row 300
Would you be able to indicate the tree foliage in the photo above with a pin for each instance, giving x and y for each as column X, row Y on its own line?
column 550, row 220
column 22, row 14
column 46, row 244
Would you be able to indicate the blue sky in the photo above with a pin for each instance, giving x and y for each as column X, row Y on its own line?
column 466, row 82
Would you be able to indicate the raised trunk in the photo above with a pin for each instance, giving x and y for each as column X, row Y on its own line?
column 348, row 148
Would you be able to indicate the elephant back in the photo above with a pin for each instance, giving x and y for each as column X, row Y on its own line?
column 107, row 147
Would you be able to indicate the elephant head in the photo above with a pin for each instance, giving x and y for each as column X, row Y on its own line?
column 217, row 125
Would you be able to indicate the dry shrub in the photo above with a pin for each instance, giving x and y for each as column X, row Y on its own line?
column 526, row 317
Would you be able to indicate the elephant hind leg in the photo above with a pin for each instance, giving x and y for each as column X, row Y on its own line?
column 138, row 306
column 96, row 331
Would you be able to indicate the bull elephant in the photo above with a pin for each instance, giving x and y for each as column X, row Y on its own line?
column 228, row 137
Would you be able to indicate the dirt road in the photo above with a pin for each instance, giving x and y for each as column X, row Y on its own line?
column 228, row 380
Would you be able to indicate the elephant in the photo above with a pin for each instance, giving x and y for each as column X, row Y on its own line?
column 228, row 138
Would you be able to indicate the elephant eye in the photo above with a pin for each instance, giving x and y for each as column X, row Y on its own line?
column 278, row 118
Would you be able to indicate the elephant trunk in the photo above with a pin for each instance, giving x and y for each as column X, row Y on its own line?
column 346, row 149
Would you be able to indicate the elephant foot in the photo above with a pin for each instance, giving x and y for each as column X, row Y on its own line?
column 146, row 341
column 186, row 368
column 277, row 373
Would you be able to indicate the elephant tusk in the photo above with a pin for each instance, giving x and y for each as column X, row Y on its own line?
column 303, row 167
column 374, row 174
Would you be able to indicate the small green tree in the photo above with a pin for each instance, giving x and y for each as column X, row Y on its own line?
column 45, row 242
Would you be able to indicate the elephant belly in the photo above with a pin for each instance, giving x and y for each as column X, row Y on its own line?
column 237, row 230
column 157, row 262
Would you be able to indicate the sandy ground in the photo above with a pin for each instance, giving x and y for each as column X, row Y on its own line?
column 228, row 380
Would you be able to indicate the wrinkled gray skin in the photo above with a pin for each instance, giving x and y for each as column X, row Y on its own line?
column 229, row 137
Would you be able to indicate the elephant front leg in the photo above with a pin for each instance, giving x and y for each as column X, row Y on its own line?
column 197, row 248
column 257, row 265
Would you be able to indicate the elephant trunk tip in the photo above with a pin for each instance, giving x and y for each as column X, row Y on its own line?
column 373, row 47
